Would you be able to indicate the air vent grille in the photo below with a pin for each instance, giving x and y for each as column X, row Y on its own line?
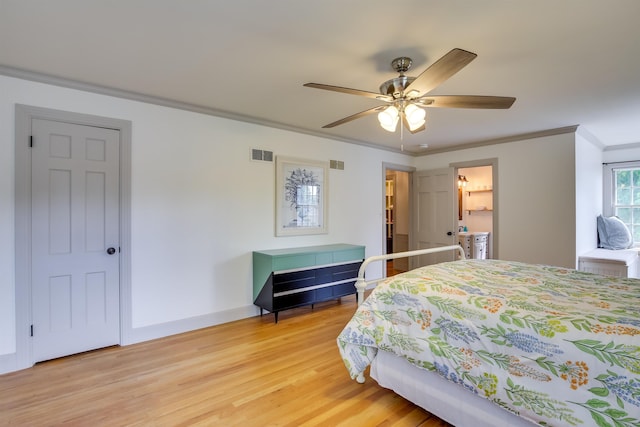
column 261, row 155
column 336, row 164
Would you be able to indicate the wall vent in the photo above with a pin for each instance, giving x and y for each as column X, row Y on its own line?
column 261, row 155
column 336, row 164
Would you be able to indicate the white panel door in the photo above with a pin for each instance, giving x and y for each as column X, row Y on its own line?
column 434, row 214
column 75, row 238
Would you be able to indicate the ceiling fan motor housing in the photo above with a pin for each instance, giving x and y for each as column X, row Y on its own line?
column 405, row 97
column 395, row 87
column 401, row 64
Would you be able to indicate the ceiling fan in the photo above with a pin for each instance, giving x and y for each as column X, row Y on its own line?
column 406, row 97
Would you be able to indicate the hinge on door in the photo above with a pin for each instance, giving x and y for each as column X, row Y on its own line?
column 31, row 330
column 31, row 141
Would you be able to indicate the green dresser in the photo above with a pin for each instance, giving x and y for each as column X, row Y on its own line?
column 292, row 277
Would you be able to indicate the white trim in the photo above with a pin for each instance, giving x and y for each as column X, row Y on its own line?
column 24, row 115
column 136, row 96
column 165, row 102
column 162, row 330
column 591, row 138
column 8, row 363
column 505, row 140
column 634, row 145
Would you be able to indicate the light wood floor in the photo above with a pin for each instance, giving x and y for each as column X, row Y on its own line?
column 252, row 372
column 391, row 271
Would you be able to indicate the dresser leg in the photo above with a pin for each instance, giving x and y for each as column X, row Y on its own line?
column 276, row 316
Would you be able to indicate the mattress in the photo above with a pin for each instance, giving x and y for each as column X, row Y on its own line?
column 441, row 398
column 551, row 345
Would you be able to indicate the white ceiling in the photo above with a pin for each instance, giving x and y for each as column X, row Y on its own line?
column 568, row 62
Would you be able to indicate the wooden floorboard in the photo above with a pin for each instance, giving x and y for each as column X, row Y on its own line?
column 252, row 372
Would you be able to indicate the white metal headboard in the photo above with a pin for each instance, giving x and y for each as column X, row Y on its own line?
column 361, row 283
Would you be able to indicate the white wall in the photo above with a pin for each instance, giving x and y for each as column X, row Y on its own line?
column 536, row 217
column 200, row 206
column 588, row 193
column 621, row 154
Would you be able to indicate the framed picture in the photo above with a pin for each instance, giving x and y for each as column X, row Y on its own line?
column 301, row 197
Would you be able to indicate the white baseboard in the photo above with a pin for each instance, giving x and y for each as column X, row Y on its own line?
column 8, row 363
column 147, row 333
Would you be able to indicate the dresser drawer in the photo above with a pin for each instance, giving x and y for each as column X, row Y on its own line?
column 293, row 280
column 287, row 278
column 335, row 273
column 336, row 291
column 293, row 300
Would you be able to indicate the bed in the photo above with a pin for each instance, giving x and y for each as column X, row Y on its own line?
column 499, row 343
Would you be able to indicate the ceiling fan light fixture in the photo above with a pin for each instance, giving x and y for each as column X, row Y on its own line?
column 415, row 116
column 406, row 97
column 388, row 118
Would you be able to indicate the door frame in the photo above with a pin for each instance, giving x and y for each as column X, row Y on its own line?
column 402, row 168
column 24, row 114
column 493, row 162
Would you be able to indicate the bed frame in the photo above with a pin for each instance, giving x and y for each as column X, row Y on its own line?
column 427, row 389
column 362, row 283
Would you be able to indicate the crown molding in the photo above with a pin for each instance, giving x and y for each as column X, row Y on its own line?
column 506, row 139
column 165, row 102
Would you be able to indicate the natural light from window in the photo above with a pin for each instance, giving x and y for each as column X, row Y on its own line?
column 308, row 205
column 622, row 195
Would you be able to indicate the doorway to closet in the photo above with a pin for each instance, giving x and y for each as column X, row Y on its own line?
column 397, row 223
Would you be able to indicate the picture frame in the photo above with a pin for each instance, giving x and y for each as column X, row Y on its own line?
column 301, row 196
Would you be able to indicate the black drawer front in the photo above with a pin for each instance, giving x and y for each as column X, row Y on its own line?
column 346, row 274
column 293, row 300
column 294, row 280
column 335, row 291
column 336, row 273
column 301, row 279
column 343, row 289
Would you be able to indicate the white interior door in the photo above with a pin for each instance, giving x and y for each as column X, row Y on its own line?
column 75, row 233
column 434, row 214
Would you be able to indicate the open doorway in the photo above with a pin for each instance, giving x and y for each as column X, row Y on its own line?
column 476, row 211
column 397, row 223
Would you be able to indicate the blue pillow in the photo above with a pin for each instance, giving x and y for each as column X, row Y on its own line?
column 613, row 233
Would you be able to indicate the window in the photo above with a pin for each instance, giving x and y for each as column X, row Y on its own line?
column 308, row 205
column 622, row 194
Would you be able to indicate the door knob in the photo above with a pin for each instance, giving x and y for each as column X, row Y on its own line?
column 111, row 251
column 449, row 233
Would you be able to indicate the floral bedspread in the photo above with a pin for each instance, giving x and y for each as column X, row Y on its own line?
column 556, row 346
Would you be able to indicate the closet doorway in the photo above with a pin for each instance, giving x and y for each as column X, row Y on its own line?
column 397, row 223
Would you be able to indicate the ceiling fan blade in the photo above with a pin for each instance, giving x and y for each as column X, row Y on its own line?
column 356, row 116
column 374, row 95
column 439, row 72
column 468, row 101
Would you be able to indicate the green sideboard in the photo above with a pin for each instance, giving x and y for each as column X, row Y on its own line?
column 293, row 277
